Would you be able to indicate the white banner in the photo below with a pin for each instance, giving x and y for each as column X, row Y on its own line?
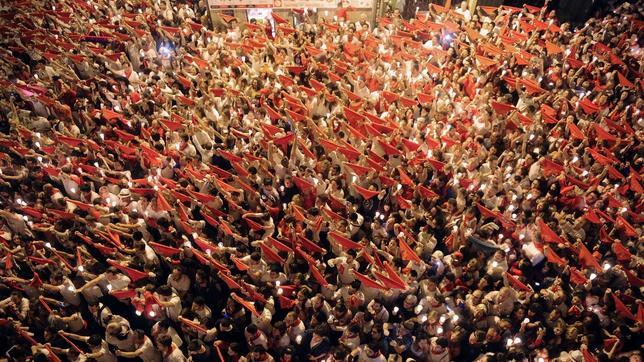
column 285, row 4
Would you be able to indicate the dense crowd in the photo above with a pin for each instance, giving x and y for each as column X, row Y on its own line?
column 462, row 186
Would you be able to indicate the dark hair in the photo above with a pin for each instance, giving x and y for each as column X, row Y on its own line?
column 165, row 340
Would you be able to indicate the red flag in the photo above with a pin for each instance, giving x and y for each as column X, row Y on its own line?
column 135, row 275
column 246, row 304
column 366, row 194
column 602, row 134
column 552, row 48
column 547, row 234
column 622, row 309
column 553, row 257
column 622, row 253
column 587, row 258
column 623, row 81
column 317, row 275
column 302, row 184
column 626, row 226
column 230, row 282
column 406, row 252
column 162, row 204
column 239, row 264
column 164, row 250
column 516, row 283
column 502, row 108
column 589, row 106
column 368, row 282
column 343, row 241
column 588, row 356
column 270, row 254
column 278, row 19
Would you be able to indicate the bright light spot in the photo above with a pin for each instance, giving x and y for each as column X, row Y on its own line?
column 607, row 266
column 152, row 314
column 138, row 312
column 109, row 287
column 396, row 309
column 495, row 264
column 575, row 159
column 526, row 320
column 423, row 318
column 521, row 236
column 517, row 340
column 48, row 245
column 593, row 276
column 277, row 283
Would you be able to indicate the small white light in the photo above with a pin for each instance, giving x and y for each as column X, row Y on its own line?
column 382, row 217
column 72, row 189
column 280, row 291
column 152, row 314
column 24, row 217
column 500, row 236
column 526, row 320
column 377, row 214
column 220, row 244
column 37, row 144
column 455, row 318
column 536, row 150
column 624, row 209
column 209, row 252
column 396, row 309
column 517, row 340
column 511, row 208
column 607, row 266
column 138, row 312
column 277, row 283
column 584, row 173
column 531, row 136
column 509, row 342
column 418, row 309
column 593, row 276
column 109, row 287
column 616, row 185
column 71, row 288
column 48, row 245
column 495, row 264
column 95, row 164
column 284, row 206
column 81, row 268
column 521, row 236
column 195, row 235
column 39, row 159
column 439, row 330
column 483, row 186
column 102, row 136
column 298, row 339
column 541, row 359
column 514, row 216
column 441, row 320
column 423, row 318
column 575, row 159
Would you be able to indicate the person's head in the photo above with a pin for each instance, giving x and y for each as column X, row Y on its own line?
column 164, row 343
